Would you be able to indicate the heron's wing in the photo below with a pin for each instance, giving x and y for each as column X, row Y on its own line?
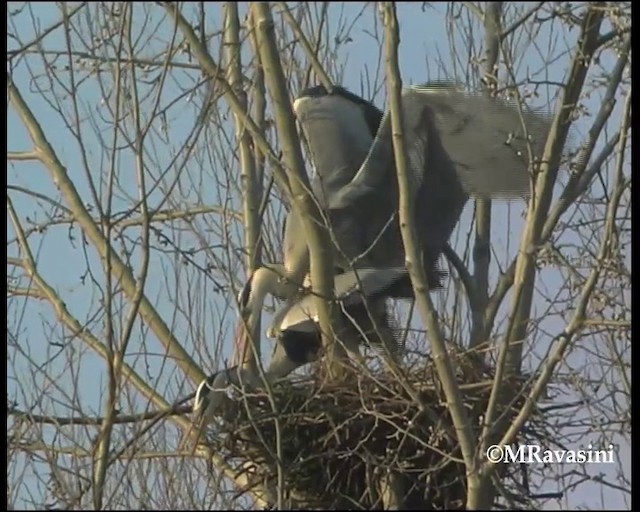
column 369, row 282
column 338, row 129
column 349, row 287
column 487, row 139
column 377, row 171
column 338, row 137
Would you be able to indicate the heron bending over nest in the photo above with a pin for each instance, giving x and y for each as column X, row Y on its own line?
column 361, row 297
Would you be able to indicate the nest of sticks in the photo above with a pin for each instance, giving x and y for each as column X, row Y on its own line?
column 372, row 440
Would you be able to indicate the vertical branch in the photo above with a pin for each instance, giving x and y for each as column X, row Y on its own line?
column 250, row 198
column 482, row 242
column 250, row 187
column 441, row 359
column 510, row 357
column 546, row 179
column 103, row 439
column 259, row 104
column 303, row 203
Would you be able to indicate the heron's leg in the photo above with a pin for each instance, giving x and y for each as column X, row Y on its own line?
column 350, row 340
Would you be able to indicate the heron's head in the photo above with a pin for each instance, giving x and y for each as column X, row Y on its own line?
column 210, row 395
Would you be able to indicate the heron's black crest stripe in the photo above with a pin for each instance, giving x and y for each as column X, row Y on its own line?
column 300, row 346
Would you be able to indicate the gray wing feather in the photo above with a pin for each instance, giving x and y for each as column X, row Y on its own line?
column 367, row 281
column 338, row 139
column 486, row 138
column 381, row 160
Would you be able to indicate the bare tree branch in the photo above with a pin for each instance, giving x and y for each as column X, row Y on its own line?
column 442, row 361
column 510, row 356
column 304, row 205
column 123, row 273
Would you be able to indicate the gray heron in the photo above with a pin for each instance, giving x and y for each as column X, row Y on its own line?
column 361, row 295
column 458, row 145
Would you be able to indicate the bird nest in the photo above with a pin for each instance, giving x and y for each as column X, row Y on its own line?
column 364, row 442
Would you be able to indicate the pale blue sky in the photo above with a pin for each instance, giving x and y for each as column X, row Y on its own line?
column 425, row 35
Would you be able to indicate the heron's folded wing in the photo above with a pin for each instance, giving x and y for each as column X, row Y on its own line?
column 349, row 286
column 369, row 282
column 339, row 137
column 377, row 172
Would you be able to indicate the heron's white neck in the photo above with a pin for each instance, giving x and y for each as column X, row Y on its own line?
column 265, row 280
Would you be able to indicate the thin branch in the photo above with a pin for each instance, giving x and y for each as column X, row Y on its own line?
column 214, row 71
column 250, row 186
column 517, row 24
column 38, row 39
column 306, row 46
column 441, row 359
column 120, row 269
column 318, row 241
column 482, row 240
column 22, row 156
column 72, row 323
column 174, row 410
